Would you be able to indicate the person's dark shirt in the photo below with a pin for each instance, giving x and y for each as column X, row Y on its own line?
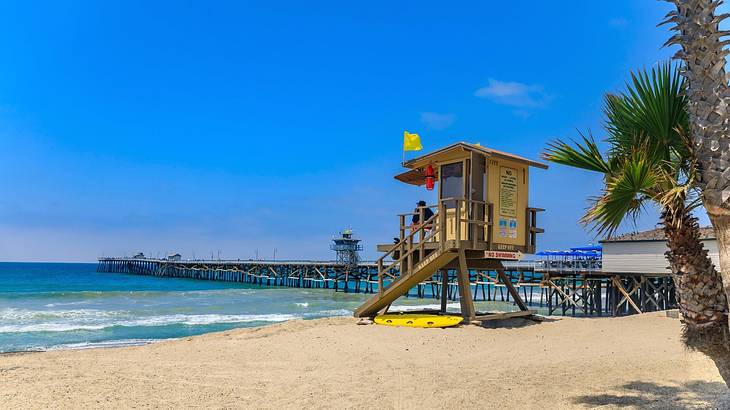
column 427, row 214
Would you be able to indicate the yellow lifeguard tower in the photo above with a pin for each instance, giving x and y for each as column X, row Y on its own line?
column 481, row 217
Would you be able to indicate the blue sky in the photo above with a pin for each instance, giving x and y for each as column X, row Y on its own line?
column 234, row 127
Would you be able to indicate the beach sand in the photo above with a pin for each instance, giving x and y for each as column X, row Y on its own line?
column 629, row 362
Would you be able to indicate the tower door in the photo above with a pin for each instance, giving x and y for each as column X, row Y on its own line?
column 478, row 193
column 452, row 187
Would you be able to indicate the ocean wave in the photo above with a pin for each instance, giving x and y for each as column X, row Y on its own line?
column 14, row 314
column 104, row 344
column 94, row 294
column 213, row 319
column 178, row 319
column 326, row 313
column 58, row 304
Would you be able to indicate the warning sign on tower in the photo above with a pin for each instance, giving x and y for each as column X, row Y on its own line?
column 508, row 192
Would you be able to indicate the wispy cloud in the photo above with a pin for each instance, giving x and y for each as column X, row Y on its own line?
column 437, row 121
column 514, row 94
column 618, row 22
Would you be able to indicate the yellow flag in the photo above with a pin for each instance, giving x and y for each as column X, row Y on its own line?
column 411, row 142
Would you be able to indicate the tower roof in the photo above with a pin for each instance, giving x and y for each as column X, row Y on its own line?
column 454, row 152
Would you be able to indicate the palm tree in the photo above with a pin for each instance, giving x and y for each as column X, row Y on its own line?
column 649, row 160
column 703, row 53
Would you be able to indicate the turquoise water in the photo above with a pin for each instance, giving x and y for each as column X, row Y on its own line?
column 61, row 306
column 49, row 306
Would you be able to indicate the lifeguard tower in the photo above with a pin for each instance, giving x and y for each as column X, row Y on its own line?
column 481, row 217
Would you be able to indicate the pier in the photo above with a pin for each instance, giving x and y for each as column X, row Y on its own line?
column 297, row 274
column 562, row 288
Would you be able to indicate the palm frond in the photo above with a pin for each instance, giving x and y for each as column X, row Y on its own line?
column 584, row 155
column 624, row 196
column 653, row 107
column 679, row 182
column 648, row 156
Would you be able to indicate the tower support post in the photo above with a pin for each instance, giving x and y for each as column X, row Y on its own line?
column 465, row 299
column 444, row 289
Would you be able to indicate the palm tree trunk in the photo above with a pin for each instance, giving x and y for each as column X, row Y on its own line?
column 721, row 223
column 702, row 299
column 701, row 295
column 703, row 51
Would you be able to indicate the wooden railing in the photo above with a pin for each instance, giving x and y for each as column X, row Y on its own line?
column 477, row 232
column 531, row 229
column 478, row 216
column 474, row 213
column 411, row 245
column 405, row 247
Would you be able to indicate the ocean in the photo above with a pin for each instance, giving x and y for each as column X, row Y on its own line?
column 48, row 306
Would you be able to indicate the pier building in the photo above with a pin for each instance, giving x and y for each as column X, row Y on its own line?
column 643, row 252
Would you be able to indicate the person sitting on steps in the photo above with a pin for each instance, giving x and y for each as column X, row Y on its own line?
column 416, row 220
column 427, row 214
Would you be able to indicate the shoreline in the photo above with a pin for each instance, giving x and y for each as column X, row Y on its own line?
column 126, row 343
column 110, row 344
column 121, row 343
column 635, row 361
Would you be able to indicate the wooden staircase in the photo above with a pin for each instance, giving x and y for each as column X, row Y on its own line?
column 415, row 261
column 404, row 283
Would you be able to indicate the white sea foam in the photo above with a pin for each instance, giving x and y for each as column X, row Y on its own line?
column 211, row 319
column 86, row 324
column 104, row 344
column 14, row 314
column 48, row 327
column 304, row 304
column 326, row 313
column 81, row 302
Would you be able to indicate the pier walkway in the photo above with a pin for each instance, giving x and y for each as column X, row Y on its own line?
column 562, row 290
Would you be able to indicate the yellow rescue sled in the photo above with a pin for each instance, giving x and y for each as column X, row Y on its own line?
column 417, row 320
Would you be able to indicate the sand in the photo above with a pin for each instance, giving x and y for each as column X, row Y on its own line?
column 630, row 362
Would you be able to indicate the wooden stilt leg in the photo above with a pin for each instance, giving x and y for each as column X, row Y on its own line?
column 511, row 289
column 467, row 304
